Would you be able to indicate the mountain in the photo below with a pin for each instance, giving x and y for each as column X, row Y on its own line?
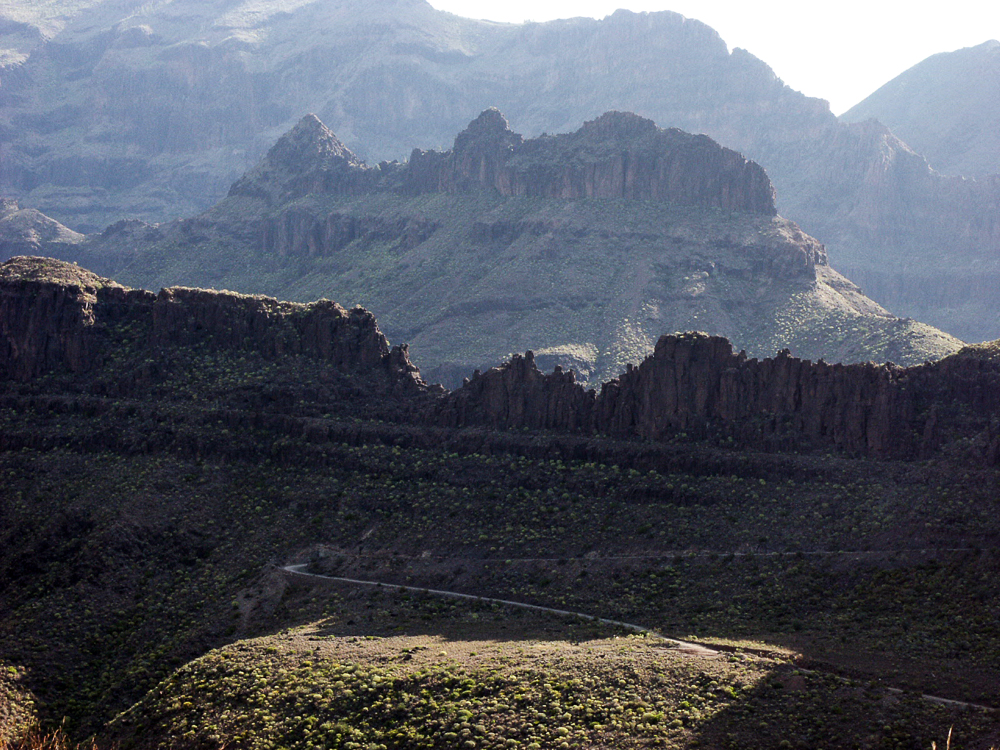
column 164, row 454
column 946, row 108
column 150, row 111
column 584, row 246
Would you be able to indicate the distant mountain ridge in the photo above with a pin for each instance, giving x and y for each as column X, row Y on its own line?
column 151, row 112
column 585, row 247
column 947, row 108
column 617, row 156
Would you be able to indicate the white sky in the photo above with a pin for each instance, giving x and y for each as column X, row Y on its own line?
column 840, row 50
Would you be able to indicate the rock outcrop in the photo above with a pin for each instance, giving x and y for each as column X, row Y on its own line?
column 618, row 155
column 696, row 386
column 49, row 317
column 56, row 317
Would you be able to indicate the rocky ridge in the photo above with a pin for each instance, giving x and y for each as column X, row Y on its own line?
column 695, row 386
column 55, row 317
column 617, row 156
column 584, row 246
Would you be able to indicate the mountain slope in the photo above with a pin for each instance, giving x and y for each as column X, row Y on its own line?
column 584, row 247
column 946, row 108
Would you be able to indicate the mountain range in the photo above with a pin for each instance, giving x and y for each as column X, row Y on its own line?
column 584, row 247
column 946, row 108
column 151, row 111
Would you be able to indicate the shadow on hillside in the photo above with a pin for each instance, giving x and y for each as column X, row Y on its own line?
column 797, row 708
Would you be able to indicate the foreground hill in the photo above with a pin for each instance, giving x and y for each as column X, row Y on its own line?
column 946, row 108
column 161, row 453
column 151, row 111
column 584, row 247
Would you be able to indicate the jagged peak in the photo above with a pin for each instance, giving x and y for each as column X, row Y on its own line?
column 291, row 167
column 310, row 140
column 489, row 128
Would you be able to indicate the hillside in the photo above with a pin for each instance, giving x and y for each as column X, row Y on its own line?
column 153, row 111
column 583, row 246
column 162, row 453
column 946, row 108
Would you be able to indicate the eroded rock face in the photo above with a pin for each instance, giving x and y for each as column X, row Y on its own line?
column 618, row 155
column 517, row 395
column 58, row 318
column 55, row 316
column 49, row 316
column 695, row 385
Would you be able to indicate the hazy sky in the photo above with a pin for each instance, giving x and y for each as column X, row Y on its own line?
column 839, row 51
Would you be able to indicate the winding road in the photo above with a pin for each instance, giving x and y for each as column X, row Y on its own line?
column 683, row 647
column 691, row 649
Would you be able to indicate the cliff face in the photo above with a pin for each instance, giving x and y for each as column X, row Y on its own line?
column 55, row 317
column 58, row 319
column 49, row 317
column 618, row 155
column 694, row 385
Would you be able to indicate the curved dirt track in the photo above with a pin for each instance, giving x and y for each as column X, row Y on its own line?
column 683, row 647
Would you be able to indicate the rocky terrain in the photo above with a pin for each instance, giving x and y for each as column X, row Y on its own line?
column 831, row 528
column 584, row 247
column 152, row 112
column 945, row 108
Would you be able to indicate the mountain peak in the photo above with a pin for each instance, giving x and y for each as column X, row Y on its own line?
column 490, row 130
column 308, row 141
column 299, row 163
column 617, row 124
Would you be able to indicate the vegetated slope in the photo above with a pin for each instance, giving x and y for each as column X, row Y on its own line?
column 584, row 247
column 946, row 108
column 153, row 112
column 501, row 680
column 161, row 452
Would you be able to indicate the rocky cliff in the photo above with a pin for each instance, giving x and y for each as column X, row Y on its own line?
column 696, row 386
column 56, row 317
column 618, row 155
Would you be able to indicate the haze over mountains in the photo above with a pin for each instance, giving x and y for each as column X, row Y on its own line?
column 152, row 111
column 945, row 108
column 584, row 247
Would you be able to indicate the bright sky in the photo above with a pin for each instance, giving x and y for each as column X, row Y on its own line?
column 839, row 51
